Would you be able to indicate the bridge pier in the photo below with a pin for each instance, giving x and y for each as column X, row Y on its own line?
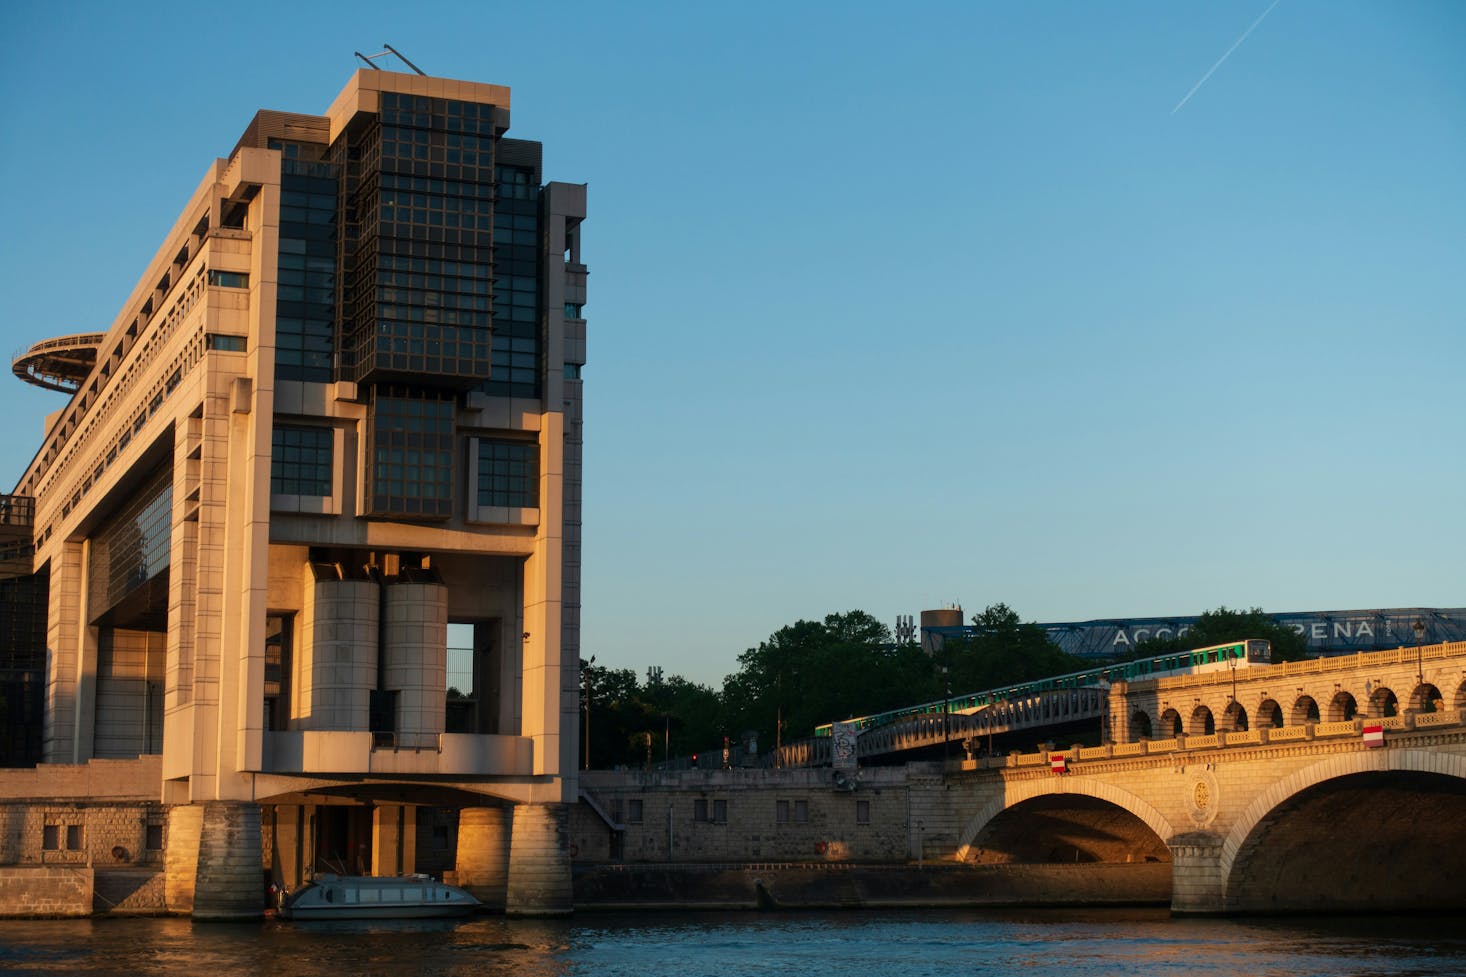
column 1197, row 885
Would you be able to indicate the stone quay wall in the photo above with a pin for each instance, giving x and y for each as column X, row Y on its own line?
column 45, row 892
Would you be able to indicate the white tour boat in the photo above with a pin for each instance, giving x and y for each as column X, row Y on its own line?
column 376, row 897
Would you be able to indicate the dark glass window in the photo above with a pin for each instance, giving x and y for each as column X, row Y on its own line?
column 228, row 344
column 305, row 304
column 508, row 474
column 134, row 546
column 277, row 671
column 411, row 453
column 633, row 811
column 51, row 837
column 301, row 460
column 229, row 279
column 515, row 362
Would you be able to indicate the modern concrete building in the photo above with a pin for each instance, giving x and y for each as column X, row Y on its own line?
column 338, row 419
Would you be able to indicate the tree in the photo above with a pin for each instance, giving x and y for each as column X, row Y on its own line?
column 1004, row 651
column 814, row 672
column 1222, row 626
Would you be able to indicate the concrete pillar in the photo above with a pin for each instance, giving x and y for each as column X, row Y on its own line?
column 415, row 624
column 289, row 845
column 181, row 860
column 539, row 862
column 1197, row 886
column 394, row 839
column 230, row 879
column 483, row 853
column 336, row 659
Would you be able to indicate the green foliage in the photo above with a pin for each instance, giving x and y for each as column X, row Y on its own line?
column 1223, row 625
column 814, row 672
column 804, row 675
column 1005, row 651
column 679, row 716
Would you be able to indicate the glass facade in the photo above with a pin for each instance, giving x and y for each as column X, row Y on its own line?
column 305, row 305
column 417, row 252
column 301, row 460
column 133, row 548
column 508, row 473
column 515, row 368
column 411, row 453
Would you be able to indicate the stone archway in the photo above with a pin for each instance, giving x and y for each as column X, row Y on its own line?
column 1305, row 710
column 1140, row 725
column 1234, row 719
column 1426, row 698
column 1460, row 699
column 1342, row 707
column 1383, row 703
column 1021, row 791
column 1202, row 722
column 1171, row 723
column 1269, row 714
column 1345, row 878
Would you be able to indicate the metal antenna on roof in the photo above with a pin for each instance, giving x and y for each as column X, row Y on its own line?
column 371, row 59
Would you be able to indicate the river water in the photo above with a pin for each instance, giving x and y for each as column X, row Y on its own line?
column 1032, row 943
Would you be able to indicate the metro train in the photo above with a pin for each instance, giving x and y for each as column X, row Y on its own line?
column 1236, row 654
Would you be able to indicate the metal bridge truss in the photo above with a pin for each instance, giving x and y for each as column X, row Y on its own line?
column 1015, row 715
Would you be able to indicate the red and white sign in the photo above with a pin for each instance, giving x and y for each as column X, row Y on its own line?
column 1058, row 764
column 1374, row 735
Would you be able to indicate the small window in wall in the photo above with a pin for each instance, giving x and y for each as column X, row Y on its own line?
column 75, row 837
column 301, row 460
column 633, row 811
column 700, row 810
column 720, row 812
column 154, row 837
column 572, row 310
column 509, row 474
column 229, row 279
column 572, row 371
column 781, row 812
column 227, row 344
column 862, row 812
column 51, row 837
column 801, row 811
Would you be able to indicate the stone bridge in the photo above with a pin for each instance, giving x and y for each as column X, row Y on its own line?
column 1276, row 795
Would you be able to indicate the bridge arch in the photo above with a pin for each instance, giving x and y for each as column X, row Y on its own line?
column 1410, row 761
column 1017, row 793
column 1342, row 707
column 1269, row 714
column 1234, row 718
column 1202, row 722
column 1383, row 703
column 1425, row 697
column 1305, row 710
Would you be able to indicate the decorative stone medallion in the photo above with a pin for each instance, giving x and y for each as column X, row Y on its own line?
column 1202, row 797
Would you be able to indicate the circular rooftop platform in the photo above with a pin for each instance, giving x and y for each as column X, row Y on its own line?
column 59, row 364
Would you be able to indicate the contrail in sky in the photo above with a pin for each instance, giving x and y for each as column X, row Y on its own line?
column 1235, row 45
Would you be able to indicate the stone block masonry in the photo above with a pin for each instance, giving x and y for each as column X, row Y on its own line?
column 45, row 892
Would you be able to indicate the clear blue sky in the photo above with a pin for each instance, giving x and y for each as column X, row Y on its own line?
column 892, row 307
